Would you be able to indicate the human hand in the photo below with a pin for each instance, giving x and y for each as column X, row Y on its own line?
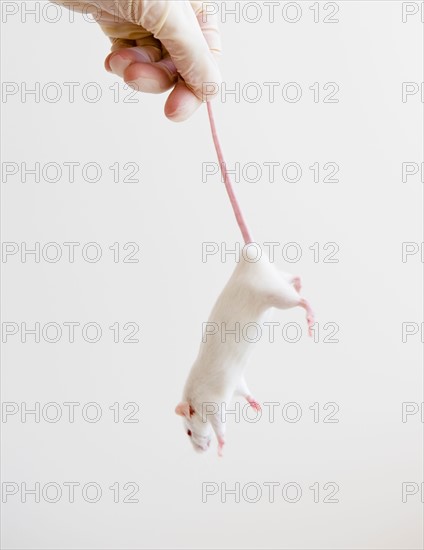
column 158, row 45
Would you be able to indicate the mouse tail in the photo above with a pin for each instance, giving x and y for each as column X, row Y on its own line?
column 228, row 185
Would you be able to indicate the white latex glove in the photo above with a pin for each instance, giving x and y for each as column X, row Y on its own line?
column 160, row 44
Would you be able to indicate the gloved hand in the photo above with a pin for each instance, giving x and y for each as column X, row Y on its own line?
column 160, row 44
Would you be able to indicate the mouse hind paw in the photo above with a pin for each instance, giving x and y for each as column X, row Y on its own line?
column 310, row 317
column 297, row 283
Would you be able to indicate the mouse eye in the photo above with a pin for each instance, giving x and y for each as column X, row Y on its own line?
column 189, row 433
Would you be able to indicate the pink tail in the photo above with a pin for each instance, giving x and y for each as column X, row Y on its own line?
column 228, row 185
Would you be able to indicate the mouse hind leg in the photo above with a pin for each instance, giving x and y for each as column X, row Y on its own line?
column 243, row 391
column 287, row 296
column 294, row 280
column 284, row 294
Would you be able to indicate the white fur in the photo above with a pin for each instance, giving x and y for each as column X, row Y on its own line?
column 218, row 371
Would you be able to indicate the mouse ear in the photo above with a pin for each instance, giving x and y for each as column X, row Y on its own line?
column 183, row 409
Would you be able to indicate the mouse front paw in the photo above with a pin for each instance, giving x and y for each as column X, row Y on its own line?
column 253, row 403
column 221, row 444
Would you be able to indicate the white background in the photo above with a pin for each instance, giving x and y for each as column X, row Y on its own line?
column 170, row 212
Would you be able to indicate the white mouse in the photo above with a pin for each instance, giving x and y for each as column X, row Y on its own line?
column 255, row 286
column 218, row 372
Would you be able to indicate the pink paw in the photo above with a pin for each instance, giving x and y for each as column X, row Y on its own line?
column 221, row 444
column 253, row 403
column 297, row 284
column 311, row 320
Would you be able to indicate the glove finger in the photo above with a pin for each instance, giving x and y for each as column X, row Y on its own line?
column 181, row 103
column 122, row 38
column 209, row 24
column 176, row 26
column 117, row 44
column 154, row 78
column 120, row 43
column 119, row 59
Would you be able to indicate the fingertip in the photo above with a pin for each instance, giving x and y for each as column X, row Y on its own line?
column 107, row 63
column 181, row 103
column 149, row 78
column 119, row 62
